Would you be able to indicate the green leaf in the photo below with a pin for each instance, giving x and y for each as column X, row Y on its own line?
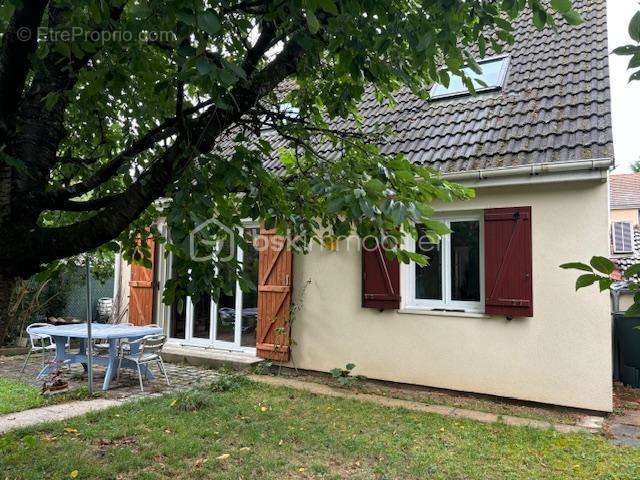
column 635, row 61
column 632, row 271
column 633, row 310
column 634, row 27
column 561, row 5
column 586, row 280
column 209, row 22
column 626, row 50
column 436, row 227
column 418, row 258
column 204, row 66
column 572, row 17
column 51, row 100
column 539, row 19
column 328, row 6
column 604, row 283
column 603, row 265
column 312, row 22
column 577, row 266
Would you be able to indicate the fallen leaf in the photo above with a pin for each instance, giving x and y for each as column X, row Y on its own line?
column 73, row 474
column 301, row 469
column 224, row 456
column 70, row 430
column 245, row 449
column 173, row 403
column 263, row 409
column 280, row 442
column 200, row 462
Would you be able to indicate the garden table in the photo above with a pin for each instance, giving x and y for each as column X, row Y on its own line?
column 99, row 331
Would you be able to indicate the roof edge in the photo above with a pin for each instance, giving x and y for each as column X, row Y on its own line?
column 549, row 172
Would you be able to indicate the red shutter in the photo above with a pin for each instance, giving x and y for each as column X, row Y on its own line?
column 274, row 297
column 380, row 279
column 141, row 290
column 507, row 252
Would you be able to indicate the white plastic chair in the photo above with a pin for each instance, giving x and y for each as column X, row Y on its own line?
column 40, row 343
column 149, row 348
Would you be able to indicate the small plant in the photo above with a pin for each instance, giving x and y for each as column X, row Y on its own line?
column 262, row 368
column 191, row 401
column 343, row 375
column 53, row 382
column 227, row 381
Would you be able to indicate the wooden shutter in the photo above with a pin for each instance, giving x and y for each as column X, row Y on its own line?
column 141, row 290
column 380, row 279
column 508, row 271
column 274, row 297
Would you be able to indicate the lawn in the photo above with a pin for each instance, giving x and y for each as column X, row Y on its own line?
column 262, row 432
column 16, row 396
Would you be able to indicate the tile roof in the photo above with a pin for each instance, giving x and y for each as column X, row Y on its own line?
column 625, row 262
column 553, row 107
column 625, row 190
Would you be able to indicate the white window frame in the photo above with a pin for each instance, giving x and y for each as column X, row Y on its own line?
column 408, row 276
column 500, row 83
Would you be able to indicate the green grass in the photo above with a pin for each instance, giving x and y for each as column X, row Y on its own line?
column 16, row 396
column 277, row 433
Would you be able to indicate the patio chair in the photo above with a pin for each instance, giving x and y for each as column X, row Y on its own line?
column 39, row 344
column 101, row 347
column 149, row 348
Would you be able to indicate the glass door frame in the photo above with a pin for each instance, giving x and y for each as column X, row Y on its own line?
column 212, row 341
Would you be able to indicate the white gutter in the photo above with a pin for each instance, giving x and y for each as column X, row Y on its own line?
column 551, row 172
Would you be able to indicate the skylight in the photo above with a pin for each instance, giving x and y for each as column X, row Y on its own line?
column 493, row 74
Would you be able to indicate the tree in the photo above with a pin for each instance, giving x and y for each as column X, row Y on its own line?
column 600, row 269
column 109, row 105
column 635, row 166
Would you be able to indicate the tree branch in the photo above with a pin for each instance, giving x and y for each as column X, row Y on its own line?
column 55, row 199
column 125, row 207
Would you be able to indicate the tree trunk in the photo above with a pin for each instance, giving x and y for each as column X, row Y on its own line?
column 7, row 283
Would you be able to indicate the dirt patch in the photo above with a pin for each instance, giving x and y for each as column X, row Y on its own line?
column 435, row 396
column 625, row 398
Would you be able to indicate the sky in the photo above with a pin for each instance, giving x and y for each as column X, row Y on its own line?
column 625, row 97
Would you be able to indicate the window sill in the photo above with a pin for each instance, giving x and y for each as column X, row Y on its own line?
column 440, row 313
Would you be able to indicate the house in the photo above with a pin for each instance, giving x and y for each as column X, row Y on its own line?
column 624, row 204
column 493, row 313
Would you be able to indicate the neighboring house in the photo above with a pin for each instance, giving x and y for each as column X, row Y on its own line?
column 493, row 313
column 624, row 204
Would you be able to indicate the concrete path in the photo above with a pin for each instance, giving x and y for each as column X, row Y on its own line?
column 589, row 424
column 63, row 411
column 624, row 428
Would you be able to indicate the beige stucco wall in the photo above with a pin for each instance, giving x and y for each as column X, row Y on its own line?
column 562, row 355
column 625, row 215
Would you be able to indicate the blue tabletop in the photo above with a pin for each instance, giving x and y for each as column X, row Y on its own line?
column 98, row 330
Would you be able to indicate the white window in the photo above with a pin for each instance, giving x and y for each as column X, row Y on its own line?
column 454, row 278
column 494, row 71
column 622, row 233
